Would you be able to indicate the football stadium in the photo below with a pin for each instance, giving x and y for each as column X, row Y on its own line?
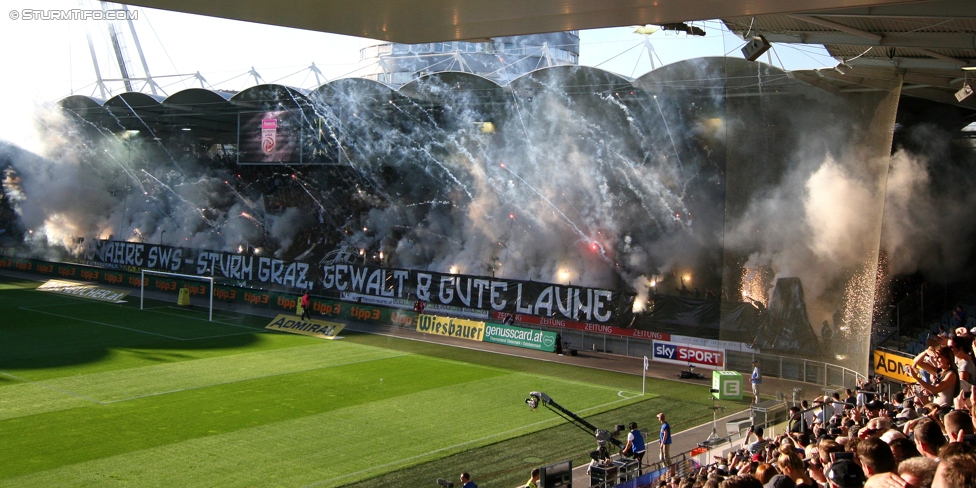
column 483, row 263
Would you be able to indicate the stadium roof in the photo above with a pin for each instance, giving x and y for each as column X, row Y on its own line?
column 925, row 44
column 419, row 21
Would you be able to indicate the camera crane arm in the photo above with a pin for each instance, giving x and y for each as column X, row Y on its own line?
column 537, row 397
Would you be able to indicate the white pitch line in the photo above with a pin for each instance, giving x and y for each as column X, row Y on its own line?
column 474, row 441
column 170, row 307
column 254, row 329
column 201, row 319
column 523, row 373
column 49, row 387
column 103, row 323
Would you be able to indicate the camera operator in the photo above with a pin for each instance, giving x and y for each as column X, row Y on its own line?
column 635, row 445
column 466, row 481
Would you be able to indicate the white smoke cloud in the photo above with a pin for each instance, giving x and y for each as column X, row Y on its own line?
column 928, row 207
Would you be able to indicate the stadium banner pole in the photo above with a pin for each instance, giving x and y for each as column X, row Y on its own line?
column 142, row 286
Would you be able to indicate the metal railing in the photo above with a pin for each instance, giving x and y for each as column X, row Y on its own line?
column 774, row 366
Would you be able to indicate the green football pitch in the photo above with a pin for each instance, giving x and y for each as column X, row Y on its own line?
column 98, row 394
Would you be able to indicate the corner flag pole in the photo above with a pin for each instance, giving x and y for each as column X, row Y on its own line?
column 644, row 378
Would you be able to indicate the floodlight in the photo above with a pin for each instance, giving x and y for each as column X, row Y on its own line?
column 965, row 92
column 755, row 48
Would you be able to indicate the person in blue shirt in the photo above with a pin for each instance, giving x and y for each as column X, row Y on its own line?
column 665, row 439
column 466, row 481
column 635, row 445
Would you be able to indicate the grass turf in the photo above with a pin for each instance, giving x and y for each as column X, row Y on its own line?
column 102, row 394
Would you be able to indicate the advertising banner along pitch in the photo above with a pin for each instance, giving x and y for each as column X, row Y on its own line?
column 539, row 340
column 705, row 357
column 891, row 365
column 451, row 327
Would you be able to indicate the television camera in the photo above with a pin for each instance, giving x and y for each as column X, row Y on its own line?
column 602, row 436
column 690, row 374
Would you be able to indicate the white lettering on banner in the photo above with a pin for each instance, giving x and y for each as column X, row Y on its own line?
column 445, row 292
column 670, row 352
column 519, row 308
column 481, row 285
column 495, row 294
column 165, row 258
column 423, row 286
column 466, row 300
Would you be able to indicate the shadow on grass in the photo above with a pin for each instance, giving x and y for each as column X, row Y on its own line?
column 40, row 330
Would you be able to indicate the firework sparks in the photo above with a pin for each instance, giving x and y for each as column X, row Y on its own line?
column 755, row 285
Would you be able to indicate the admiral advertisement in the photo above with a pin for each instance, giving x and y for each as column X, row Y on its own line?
column 704, row 357
column 314, row 328
column 892, row 365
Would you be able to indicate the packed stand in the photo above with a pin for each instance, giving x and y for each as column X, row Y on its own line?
column 922, row 435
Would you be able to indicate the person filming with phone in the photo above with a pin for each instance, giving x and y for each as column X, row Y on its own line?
column 941, row 367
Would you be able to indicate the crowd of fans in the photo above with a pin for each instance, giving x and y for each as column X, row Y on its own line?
column 919, row 436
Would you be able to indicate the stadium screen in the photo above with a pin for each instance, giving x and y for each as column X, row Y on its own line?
column 556, row 475
column 285, row 137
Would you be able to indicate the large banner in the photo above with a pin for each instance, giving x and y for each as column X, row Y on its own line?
column 132, row 256
column 470, row 296
column 539, row 340
column 454, row 293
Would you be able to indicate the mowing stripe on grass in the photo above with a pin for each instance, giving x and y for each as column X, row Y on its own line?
column 133, row 383
column 50, row 440
column 30, row 309
column 332, row 448
column 184, row 313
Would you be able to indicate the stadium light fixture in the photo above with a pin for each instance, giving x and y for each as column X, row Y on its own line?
column 965, row 92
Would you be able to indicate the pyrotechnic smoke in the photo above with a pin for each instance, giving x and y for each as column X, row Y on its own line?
column 929, row 207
